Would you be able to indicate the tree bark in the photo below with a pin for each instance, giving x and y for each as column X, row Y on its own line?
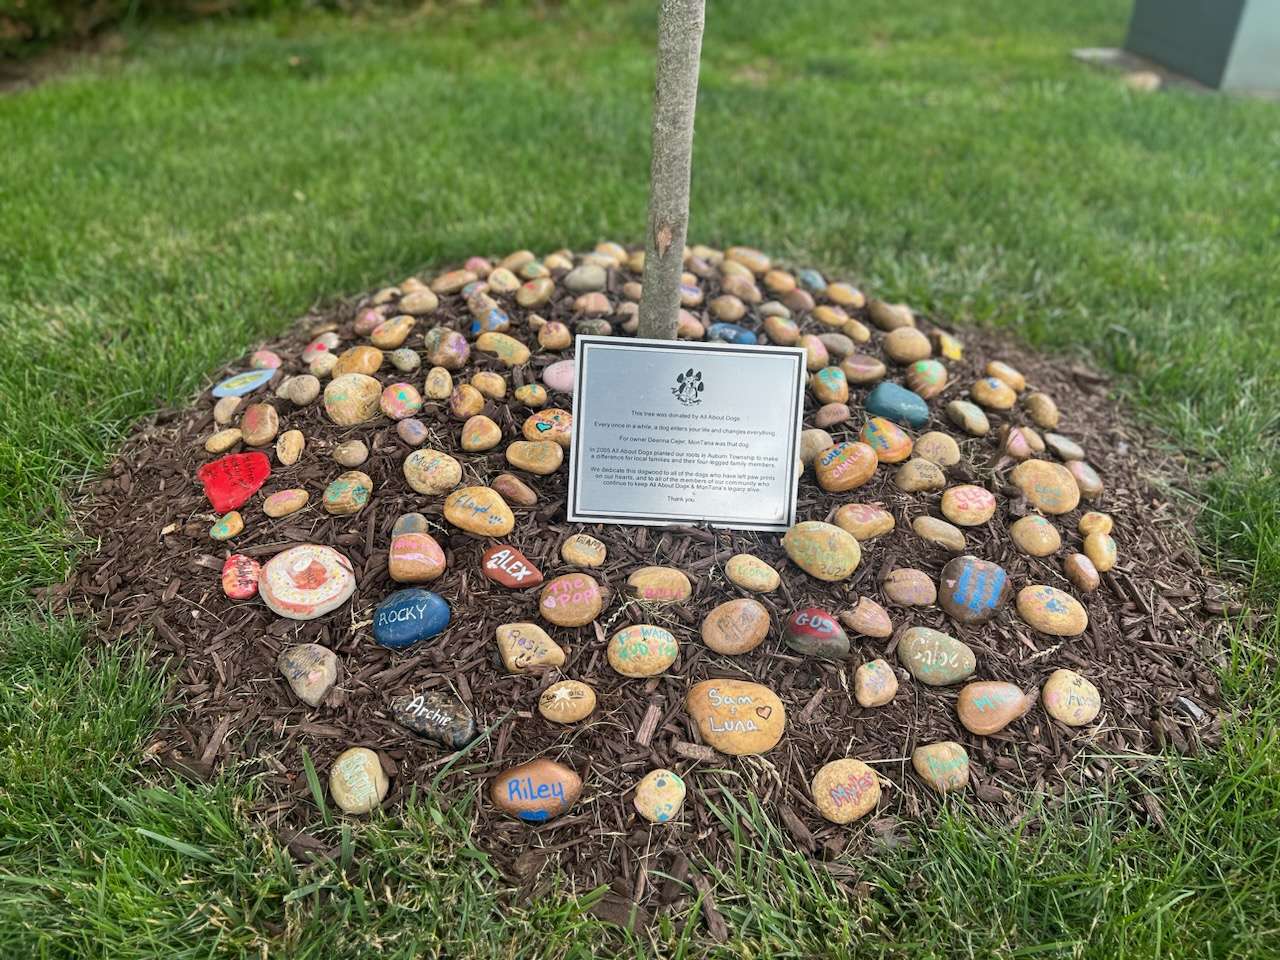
column 674, row 99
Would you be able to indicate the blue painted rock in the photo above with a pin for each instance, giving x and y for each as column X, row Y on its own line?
column 973, row 590
column 730, row 333
column 898, row 404
column 436, row 716
column 241, row 383
column 408, row 617
column 811, row 280
column 536, row 791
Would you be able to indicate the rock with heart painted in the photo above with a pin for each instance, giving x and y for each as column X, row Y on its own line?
column 737, row 717
column 571, row 600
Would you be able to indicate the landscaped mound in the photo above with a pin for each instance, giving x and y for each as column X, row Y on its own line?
column 933, row 492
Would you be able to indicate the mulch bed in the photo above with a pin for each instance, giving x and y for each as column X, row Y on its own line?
column 1153, row 626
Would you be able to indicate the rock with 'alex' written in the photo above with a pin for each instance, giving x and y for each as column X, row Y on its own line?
column 505, row 565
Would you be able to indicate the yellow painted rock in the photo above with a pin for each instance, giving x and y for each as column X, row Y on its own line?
column 570, row 600
column 480, row 433
column 479, row 510
column 907, row 345
column 542, row 457
column 1052, row 611
column 642, row 650
column 845, row 790
column 1035, row 536
column 865, row 521
column 988, row 706
column 737, row 717
column 1002, row 371
column 1101, row 549
column 751, row 573
column 352, row 399
column 508, row 350
column 822, row 550
column 1070, row 698
column 1048, row 486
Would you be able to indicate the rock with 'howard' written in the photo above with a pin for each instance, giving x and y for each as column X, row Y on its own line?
column 1070, row 698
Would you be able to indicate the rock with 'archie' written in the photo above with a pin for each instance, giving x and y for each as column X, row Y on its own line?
column 435, row 715
column 845, row 790
column 537, row 791
column 737, row 717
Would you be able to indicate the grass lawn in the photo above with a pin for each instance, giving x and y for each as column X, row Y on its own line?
column 162, row 210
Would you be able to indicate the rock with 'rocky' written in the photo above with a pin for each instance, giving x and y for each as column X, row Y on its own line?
column 1070, row 698
column 505, row 565
column 874, row 684
column 737, row 626
column 944, row 766
column 659, row 796
column 642, row 650
column 737, row 717
column 934, row 657
column 408, row 617
column 973, row 591
column 844, row 790
column 567, row 701
column 822, row 550
column 537, row 791
column 480, row 511
column 988, row 706
column 1052, row 611
column 812, row 632
column 571, row 600
column 312, row 671
column 436, row 716
column 357, row 781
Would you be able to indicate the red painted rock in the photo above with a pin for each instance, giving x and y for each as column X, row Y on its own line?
column 240, row 575
column 813, row 632
column 231, row 480
column 505, row 565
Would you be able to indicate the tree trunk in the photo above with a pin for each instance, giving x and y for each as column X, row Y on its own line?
column 675, row 97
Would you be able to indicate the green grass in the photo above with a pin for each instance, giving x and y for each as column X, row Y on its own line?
column 162, row 210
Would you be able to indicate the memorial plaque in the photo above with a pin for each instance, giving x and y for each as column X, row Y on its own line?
column 671, row 432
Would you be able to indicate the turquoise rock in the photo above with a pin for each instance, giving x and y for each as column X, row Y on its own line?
column 898, row 404
column 730, row 333
column 811, row 280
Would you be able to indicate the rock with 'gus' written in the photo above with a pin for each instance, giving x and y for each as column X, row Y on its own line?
column 737, row 717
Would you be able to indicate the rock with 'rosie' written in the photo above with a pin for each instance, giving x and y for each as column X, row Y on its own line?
column 537, row 791
column 737, row 717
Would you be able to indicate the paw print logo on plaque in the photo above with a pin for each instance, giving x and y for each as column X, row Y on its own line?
column 689, row 386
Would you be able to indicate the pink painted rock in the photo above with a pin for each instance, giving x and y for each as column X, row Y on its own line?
column 559, row 376
column 240, row 575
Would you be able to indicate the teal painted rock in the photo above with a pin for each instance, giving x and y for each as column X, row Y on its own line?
column 898, row 404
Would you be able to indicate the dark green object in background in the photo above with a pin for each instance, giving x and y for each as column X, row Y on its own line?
column 1226, row 44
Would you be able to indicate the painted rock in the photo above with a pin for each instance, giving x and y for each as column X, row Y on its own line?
column 412, row 431
column 832, row 414
column 844, row 790
column 526, row 648
column 583, row 550
column 392, row 332
column 348, row 493
column 898, row 404
column 419, row 302
column 436, row 716
column 228, row 525
column 1094, row 522
column 570, row 600
column 509, row 351
column 846, row 295
column 909, row 588
column 926, row 378
column 559, row 376
column 507, row 566
column 364, row 360
column 1048, row 486
column 536, row 292
column 311, row 670
column 864, row 520
column 1064, row 447
column 814, row 282
column 659, row 796
column 737, row 717
column 1052, row 611
column 1081, row 572
column 889, row 441
column 1015, row 442
column 240, row 576
column 906, row 345
column 322, row 366
column 306, row 581
column 542, row 457
column 751, row 573
column 1086, row 478
column 861, row 368
column 305, row 389
column 993, row 394
column 224, row 411
column 491, row 385
column 988, row 706
column 944, row 766
column 935, row 658
column 816, row 356
column 1007, row 374
column 939, row 448
column 480, row 434
column 890, row 316
column 1042, row 410
column 968, row 417
column 550, row 424
column 659, row 585
column 585, row 279
column 284, row 502
column 352, row 399
column 838, row 345
column 1035, row 536
column 812, row 632
column 812, row 443
column 400, row 400
column 479, row 510
column 729, row 332
column 357, row 781
column 567, row 702
column 264, row 360
column 737, row 626
column 968, row 505
column 972, row 590
column 846, row 466
column 352, row 453
column 918, row 475
column 514, row 490
column 831, row 316
column 432, row 472
column 223, row 440
column 452, row 281
column 1070, row 698
column 465, row 402
column 408, row 617
column 554, row 335
column 948, row 346
column 829, row 385
column 241, row 384
column 231, row 480
column 782, row 331
column 1101, row 550
column 822, row 550
column 751, row 258
column 532, row 395
column 537, row 791
column 446, row 348
column 939, row 533
column 642, row 650
column 439, row 384
column 874, row 684
column 868, row 619
column 415, row 557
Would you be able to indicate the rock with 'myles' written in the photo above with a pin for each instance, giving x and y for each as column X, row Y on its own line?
column 240, row 576
column 357, row 781
column 567, row 701
column 571, row 600
column 479, row 510
column 537, row 791
column 737, row 626
column 1049, row 487
column 874, row 684
column 972, row 590
column 436, row 716
column 659, row 585
column 845, row 790
column 812, row 632
column 659, row 796
column 505, row 565
column 311, row 670
column 822, row 550
column 988, row 706
column 868, row 619
column 944, row 766
column 908, row 587
column 865, row 521
column 935, row 658
column 1052, row 611
column 408, row 617
column 642, row 650
column 737, row 717
column 352, row 399
column 1070, row 698
column 751, row 573
column 348, row 493
column 898, row 404
column 306, row 581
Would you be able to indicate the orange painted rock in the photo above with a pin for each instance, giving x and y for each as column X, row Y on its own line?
column 415, row 557
column 507, row 566
column 480, row 434
column 1049, row 487
column 642, row 650
column 1070, row 698
column 846, row 466
column 968, row 505
column 874, row 684
column 1101, row 550
column 868, row 618
column 537, row 791
column 571, row 600
column 822, row 550
column 737, row 626
column 1052, row 611
column 845, row 790
column 943, row 766
column 659, row 585
column 988, row 706
column 737, row 717
column 479, row 510
column 259, row 424
column 550, row 424
column 864, row 520
column 889, row 441
column 993, row 394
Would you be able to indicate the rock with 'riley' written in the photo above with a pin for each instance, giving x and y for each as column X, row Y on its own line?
column 537, row 791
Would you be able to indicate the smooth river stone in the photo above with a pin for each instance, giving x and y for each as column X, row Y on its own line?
column 408, row 617
column 229, row 525
column 438, row 384
column 311, row 670
column 526, row 648
column 224, row 410
column 1042, row 410
column 844, row 790
column 352, row 453
column 906, row 345
column 1086, row 478
column 436, row 716
column 822, row 550
column 352, row 399
column 832, row 414
column 480, row 511
column 659, row 795
column 559, row 376
column 659, row 585
column 303, row 390
column 1064, row 447
column 838, row 345
column 973, row 591
column 874, row 684
column 1015, row 442
column 362, row 359
column 347, row 493
column 480, row 434
column 509, row 351
column 864, row 520
column 240, row 384
column 567, row 701
column 1035, row 536
column 415, row 557
column 988, row 706
column 898, row 404
column 918, row 475
column 969, row 417
column 1049, row 487
column 306, row 581
column 259, row 424
column 1101, row 551
column 938, row 447
column 939, row 533
column 751, row 573
column 642, row 650
column 392, row 332
column 536, row 292
column 231, row 480
column 465, row 402
column 432, row 472
column 505, row 565
column 554, row 335
column 514, row 490
column 446, row 348
column 1070, row 698
column 812, row 632
column 861, row 368
column 240, row 576
column 583, row 550
column 1052, row 611
column 550, row 424
column 731, row 333
column 737, row 717
column 927, row 378
column 419, row 302
column 908, row 587
column 1011, row 376
column 223, row 440
column 284, row 502
column 889, row 441
column 944, row 766
column 812, row 443
column 537, row 791
column 844, row 467
column 1094, row 522
column 533, row 395
column 816, row 355
column 868, row 619
column 357, row 781
column 782, row 331
column 935, row 658
column 993, row 394
column 829, row 385
column 1080, row 570
column 400, row 400
column 737, row 626
column 542, row 457
column 570, row 600
column 968, row 505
